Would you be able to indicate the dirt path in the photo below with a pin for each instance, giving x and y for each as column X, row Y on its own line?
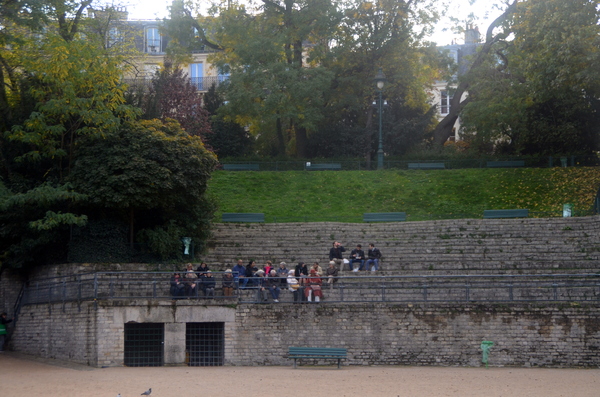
column 22, row 376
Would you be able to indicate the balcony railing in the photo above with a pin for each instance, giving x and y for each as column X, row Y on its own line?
column 349, row 289
column 201, row 83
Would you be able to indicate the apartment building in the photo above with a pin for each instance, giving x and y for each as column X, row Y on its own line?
column 441, row 93
column 151, row 42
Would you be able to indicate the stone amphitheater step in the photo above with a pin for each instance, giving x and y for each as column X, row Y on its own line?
column 468, row 246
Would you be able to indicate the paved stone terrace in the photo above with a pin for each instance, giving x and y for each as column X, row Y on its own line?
column 446, row 247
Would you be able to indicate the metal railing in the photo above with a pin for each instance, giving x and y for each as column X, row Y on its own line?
column 389, row 163
column 441, row 289
column 201, row 83
column 269, row 218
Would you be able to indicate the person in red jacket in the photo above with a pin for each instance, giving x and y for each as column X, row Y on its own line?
column 312, row 286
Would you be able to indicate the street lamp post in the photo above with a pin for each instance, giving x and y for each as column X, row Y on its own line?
column 380, row 82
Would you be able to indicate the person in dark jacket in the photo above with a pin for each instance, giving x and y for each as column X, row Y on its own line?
column 177, row 286
column 301, row 273
column 4, row 321
column 251, row 270
column 273, row 284
column 374, row 256
column 208, row 285
column 239, row 274
column 301, row 269
column 335, row 254
column 202, row 269
column 357, row 255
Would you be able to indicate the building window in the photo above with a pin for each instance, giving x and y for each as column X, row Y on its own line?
column 113, row 38
column 197, row 75
column 152, row 40
column 445, row 103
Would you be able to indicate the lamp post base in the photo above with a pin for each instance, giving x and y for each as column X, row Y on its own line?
column 380, row 159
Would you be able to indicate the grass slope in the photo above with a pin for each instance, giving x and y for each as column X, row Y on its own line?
column 438, row 194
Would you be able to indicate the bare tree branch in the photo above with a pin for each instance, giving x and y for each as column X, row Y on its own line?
column 444, row 128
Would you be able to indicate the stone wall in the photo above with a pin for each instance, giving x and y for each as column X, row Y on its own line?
column 374, row 334
column 112, row 317
column 410, row 334
column 67, row 332
column 10, row 285
column 382, row 334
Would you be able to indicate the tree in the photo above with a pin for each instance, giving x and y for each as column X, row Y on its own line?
column 382, row 35
column 173, row 96
column 35, row 224
column 445, row 128
column 63, row 97
column 298, row 67
column 228, row 139
column 152, row 174
column 537, row 92
column 57, row 86
column 67, row 89
column 270, row 90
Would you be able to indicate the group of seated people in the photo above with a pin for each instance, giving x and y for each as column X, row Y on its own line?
column 304, row 283
column 192, row 282
column 357, row 255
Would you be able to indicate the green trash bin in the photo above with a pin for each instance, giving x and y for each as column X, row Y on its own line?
column 486, row 345
column 563, row 161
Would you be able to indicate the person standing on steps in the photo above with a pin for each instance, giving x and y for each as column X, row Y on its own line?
column 335, row 254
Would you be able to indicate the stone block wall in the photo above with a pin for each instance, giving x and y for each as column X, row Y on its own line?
column 374, row 334
column 112, row 317
column 385, row 334
column 10, row 285
column 66, row 332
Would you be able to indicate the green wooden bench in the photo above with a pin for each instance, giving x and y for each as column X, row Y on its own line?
column 240, row 167
column 324, row 167
column 426, row 166
column 384, row 217
column 338, row 354
column 242, row 217
column 492, row 214
column 505, row 164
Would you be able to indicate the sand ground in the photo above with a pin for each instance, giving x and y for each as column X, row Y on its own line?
column 25, row 376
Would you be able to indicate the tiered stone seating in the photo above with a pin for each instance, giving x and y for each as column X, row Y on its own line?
column 445, row 247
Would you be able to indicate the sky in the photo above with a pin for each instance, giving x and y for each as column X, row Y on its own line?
column 482, row 9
